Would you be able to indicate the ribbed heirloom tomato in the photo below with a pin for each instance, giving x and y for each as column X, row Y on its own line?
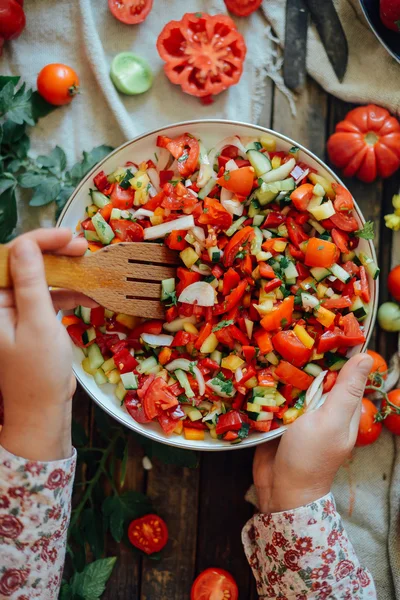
column 204, row 54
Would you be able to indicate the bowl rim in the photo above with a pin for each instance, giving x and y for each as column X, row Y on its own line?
column 377, row 34
column 248, row 442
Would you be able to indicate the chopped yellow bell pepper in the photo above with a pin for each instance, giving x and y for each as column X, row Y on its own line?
column 231, row 362
column 324, row 316
column 193, row 434
column 303, row 336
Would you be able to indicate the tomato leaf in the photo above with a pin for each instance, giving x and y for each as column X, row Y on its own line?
column 40, row 107
column 56, row 159
column 367, row 232
column 91, row 583
column 93, row 531
column 8, row 211
column 31, row 180
column 46, row 192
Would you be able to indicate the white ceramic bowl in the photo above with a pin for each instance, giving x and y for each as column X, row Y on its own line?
column 143, row 147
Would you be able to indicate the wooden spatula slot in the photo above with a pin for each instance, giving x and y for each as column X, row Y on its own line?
column 123, row 277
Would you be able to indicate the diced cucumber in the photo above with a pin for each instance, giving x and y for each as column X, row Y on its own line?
column 235, row 226
column 77, row 311
column 286, row 185
column 103, row 229
column 253, row 408
column 282, row 172
column 114, row 376
column 109, row 365
column 216, row 356
column 88, row 336
column 340, row 273
column 279, row 399
column 254, row 207
column 313, row 369
column 99, row 199
column 91, row 210
column 272, row 358
column 214, row 253
column 264, row 195
column 259, row 161
column 370, row 266
column 129, row 381
column 120, row 391
column 167, row 288
column 265, row 400
column 258, row 220
column 85, row 314
column 95, row 356
column 290, row 273
column 257, row 241
column 91, row 236
column 184, row 382
column 334, row 361
column 203, row 193
column 100, row 377
column 146, row 365
column 115, row 214
column 109, row 313
column 192, row 412
column 317, row 226
column 319, row 273
column 255, row 145
column 348, row 256
column 264, row 416
column 261, row 390
column 359, row 309
column 323, row 211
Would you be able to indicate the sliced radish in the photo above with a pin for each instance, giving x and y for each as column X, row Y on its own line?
column 200, row 293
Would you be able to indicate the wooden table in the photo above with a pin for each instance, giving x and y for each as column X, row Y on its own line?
column 205, row 507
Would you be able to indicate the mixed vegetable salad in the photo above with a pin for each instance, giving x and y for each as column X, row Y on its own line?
column 271, row 294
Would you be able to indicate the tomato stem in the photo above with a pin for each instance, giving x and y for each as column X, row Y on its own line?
column 394, row 409
column 371, row 138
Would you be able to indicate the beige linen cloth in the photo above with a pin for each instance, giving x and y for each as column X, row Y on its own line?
column 84, row 35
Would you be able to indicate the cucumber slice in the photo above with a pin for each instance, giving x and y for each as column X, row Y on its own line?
column 359, row 309
column 85, row 314
column 131, row 74
column 370, row 266
column 215, row 254
column 259, row 161
column 129, row 381
column 340, row 273
column 103, row 229
column 192, row 412
column 334, row 361
column 203, row 193
column 265, row 416
column 115, row 214
column 258, row 220
column 348, row 256
column 89, row 335
column 313, row 369
column 167, row 288
column 184, row 381
column 95, row 356
column 256, row 242
column 216, row 356
column 264, row 195
column 146, row 365
column 77, row 311
column 235, row 226
column 319, row 273
column 91, row 236
column 100, row 377
column 99, row 199
column 253, row 408
column 290, row 273
column 254, row 208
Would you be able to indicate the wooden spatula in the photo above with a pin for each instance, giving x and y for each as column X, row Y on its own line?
column 125, row 278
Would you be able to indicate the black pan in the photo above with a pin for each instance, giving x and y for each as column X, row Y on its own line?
column 389, row 39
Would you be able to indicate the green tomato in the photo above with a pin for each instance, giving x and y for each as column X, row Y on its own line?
column 389, row 316
column 131, row 74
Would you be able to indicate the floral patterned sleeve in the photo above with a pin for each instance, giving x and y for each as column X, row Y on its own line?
column 35, row 506
column 305, row 554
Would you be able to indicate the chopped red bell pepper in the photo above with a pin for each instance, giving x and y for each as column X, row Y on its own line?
column 263, row 339
column 231, row 279
column 124, row 361
column 266, row 271
column 101, row 181
column 287, row 373
column 204, row 332
column 232, row 299
column 182, row 338
column 272, row 285
column 230, row 421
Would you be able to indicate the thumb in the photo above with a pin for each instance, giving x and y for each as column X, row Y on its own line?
column 31, row 292
column 345, row 398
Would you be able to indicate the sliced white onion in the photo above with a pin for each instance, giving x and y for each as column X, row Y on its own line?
column 314, row 392
column 203, row 269
column 158, row 231
column 206, row 172
column 305, row 173
column 195, row 194
column 198, row 233
column 152, row 191
column 309, row 301
column 177, row 324
column 178, row 413
column 197, row 248
column 231, row 165
column 234, row 207
column 200, row 380
column 329, row 292
column 157, row 340
column 179, row 363
column 238, row 374
column 225, row 195
column 280, row 173
column 164, row 156
column 154, row 178
column 229, row 141
column 141, row 213
column 332, row 278
column 200, row 293
column 188, row 182
column 267, row 234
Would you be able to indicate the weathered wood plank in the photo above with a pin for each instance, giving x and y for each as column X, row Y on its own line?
column 174, row 492
column 225, row 478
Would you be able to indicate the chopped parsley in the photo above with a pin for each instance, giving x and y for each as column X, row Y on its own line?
column 191, row 365
column 173, row 182
column 243, row 431
column 156, row 156
column 285, row 291
column 300, row 401
column 139, row 184
column 297, row 297
column 124, row 183
column 223, row 324
column 240, row 254
column 183, row 399
column 184, row 157
column 294, row 150
column 179, row 238
column 367, row 232
column 227, row 176
column 284, row 262
column 284, row 322
column 260, row 181
column 225, row 385
column 170, row 299
column 209, row 278
column 257, row 145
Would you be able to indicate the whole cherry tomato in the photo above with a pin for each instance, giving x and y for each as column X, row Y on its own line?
column 392, row 421
column 368, row 430
column 12, row 20
column 57, row 84
column 394, row 283
column 378, row 366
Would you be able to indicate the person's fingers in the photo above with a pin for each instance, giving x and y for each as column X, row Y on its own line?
column 75, row 247
column 7, row 326
column 345, row 398
column 31, row 292
column 48, row 240
column 7, row 299
column 67, row 300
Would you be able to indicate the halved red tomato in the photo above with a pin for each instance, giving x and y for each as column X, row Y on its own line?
column 135, row 408
column 186, row 150
column 344, row 221
column 130, row 11
column 214, row 584
column 288, row 345
column 149, row 533
column 157, row 398
column 239, row 181
column 215, row 214
column 122, row 199
column 242, row 8
column 204, row 54
column 127, row 231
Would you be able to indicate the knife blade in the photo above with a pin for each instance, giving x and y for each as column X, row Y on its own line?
column 331, row 32
column 294, row 54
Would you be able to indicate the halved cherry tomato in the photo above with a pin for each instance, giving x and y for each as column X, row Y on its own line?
column 302, row 196
column 122, row 199
column 135, row 408
column 149, row 533
column 288, row 373
column 186, row 150
column 214, row 584
column 341, row 240
column 239, row 181
column 130, row 12
column 242, row 8
column 215, row 214
column 281, row 316
column 344, row 221
column 158, row 397
column 176, row 239
column 239, row 240
column 368, row 430
column 288, row 345
column 127, row 231
column 393, row 283
column 320, row 253
column 343, row 199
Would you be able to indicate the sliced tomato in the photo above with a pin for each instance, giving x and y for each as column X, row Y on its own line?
column 337, row 303
column 127, row 231
column 273, row 219
column 230, row 421
column 239, row 181
column 176, row 239
column 185, row 149
column 135, row 408
column 297, row 235
column 124, row 361
column 122, row 199
column 290, row 374
column 240, row 239
column 177, row 197
column 344, row 221
column 87, row 225
column 288, row 345
column 340, row 239
column 130, row 12
column 158, row 397
column 343, row 200
column 320, row 253
column 214, row 584
column 281, row 316
column 302, row 195
column 153, row 326
column 149, row 533
column 97, row 316
column 167, row 422
column 215, row 214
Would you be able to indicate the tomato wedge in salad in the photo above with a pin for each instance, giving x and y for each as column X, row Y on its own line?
column 273, row 290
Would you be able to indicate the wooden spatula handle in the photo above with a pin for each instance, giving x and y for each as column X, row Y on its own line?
column 61, row 271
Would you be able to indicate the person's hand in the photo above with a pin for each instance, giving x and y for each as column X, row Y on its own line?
column 300, row 467
column 36, row 378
